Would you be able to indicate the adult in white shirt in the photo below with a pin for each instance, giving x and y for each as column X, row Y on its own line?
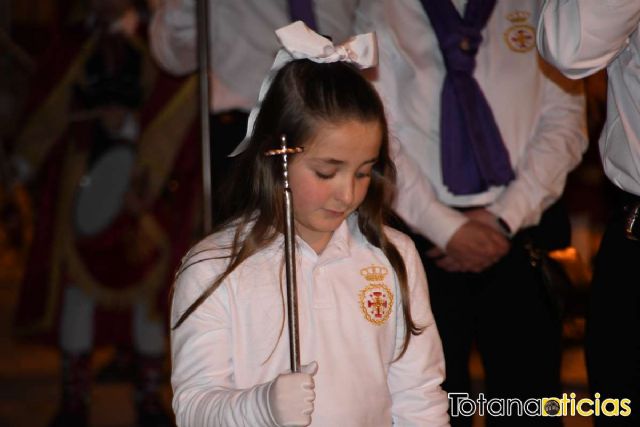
column 242, row 46
column 581, row 38
column 483, row 286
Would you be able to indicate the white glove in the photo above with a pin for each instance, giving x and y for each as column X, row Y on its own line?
column 291, row 397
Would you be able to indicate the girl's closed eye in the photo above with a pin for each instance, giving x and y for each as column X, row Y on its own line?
column 328, row 175
column 364, row 173
column 325, row 175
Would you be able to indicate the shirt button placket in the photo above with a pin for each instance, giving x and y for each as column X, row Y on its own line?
column 321, row 293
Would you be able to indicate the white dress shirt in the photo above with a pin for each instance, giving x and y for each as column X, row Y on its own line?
column 539, row 113
column 581, row 37
column 236, row 341
column 242, row 44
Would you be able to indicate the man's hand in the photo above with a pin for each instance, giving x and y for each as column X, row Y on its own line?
column 485, row 217
column 475, row 246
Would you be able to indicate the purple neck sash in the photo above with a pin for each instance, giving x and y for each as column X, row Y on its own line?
column 473, row 155
column 302, row 10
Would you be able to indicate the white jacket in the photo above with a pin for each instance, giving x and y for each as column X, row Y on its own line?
column 581, row 37
column 235, row 342
column 242, row 41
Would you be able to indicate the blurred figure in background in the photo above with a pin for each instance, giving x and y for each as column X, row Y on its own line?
column 581, row 38
column 110, row 142
column 242, row 46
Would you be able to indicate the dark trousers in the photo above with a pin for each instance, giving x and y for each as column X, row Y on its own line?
column 613, row 322
column 507, row 313
column 227, row 130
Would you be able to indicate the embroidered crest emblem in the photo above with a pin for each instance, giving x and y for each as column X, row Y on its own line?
column 376, row 299
column 520, row 37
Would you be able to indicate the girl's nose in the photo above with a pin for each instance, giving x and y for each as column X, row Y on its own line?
column 345, row 191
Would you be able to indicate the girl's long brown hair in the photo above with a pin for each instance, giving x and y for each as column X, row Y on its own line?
column 303, row 96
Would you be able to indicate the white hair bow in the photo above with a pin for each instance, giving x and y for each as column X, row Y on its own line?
column 300, row 42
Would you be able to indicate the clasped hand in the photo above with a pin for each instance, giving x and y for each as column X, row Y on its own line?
column 475, row 246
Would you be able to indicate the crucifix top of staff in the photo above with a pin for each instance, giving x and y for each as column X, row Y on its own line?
column 284, row 151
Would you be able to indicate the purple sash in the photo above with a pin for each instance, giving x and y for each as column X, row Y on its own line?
column 473, row 155
column 302, row 10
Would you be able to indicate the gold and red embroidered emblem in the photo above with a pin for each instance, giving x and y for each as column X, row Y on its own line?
column 520, row 37
column 376, row 299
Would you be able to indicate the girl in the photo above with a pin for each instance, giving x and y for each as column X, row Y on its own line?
column 367, row 336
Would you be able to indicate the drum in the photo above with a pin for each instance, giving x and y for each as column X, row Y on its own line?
column 101, row 192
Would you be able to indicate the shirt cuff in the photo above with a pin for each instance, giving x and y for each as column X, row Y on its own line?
column 439, row 223
column 511, row 208
column 173, row 42
column 263, row 391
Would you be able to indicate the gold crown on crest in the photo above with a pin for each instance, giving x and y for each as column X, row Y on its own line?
column 374, row 273
column 518, row 16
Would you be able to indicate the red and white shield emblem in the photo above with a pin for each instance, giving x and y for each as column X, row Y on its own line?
column 376, row 302
column 521, row 36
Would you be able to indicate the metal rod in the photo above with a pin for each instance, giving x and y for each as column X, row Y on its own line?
column 290, row 256
column 205, row 101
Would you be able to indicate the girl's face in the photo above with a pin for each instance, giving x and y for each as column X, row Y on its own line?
column 330, row 178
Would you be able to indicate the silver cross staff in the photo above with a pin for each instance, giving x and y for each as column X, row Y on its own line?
column 290, row 256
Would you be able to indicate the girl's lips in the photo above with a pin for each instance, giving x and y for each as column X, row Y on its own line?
column 334, row 213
